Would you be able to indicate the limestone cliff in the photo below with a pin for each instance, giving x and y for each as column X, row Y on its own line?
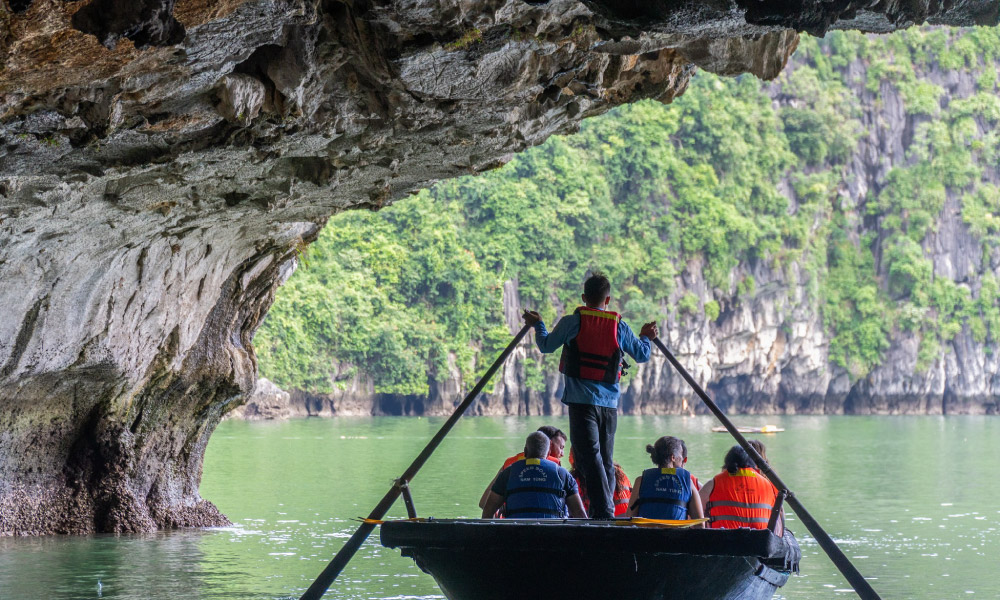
column 771, row 347
column 162, row 163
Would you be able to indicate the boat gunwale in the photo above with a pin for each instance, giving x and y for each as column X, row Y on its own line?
column 518, row 534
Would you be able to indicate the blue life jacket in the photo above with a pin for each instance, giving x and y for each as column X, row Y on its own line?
column 535, row 490
column 664, row 493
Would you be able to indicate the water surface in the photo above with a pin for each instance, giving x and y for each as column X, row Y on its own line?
column 911, row 500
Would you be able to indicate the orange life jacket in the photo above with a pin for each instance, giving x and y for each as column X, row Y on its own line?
column 520, row 455
column 594, row 354
column 623, row 491
column 741, row 499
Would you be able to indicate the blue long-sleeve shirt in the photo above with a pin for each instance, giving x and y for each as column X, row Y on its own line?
column 585, row 391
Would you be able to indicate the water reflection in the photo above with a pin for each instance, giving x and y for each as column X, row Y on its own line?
column 910, row 500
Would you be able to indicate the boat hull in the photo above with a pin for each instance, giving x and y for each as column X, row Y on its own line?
column 484, row 560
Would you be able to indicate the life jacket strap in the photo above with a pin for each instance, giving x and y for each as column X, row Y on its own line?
column 729, row 503
column 537, row 490
column 737, row 519
column 673, row 501
column 603, row 314
column 592, row 356
column 544, row 511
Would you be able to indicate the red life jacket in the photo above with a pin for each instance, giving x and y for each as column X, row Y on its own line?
column 740, row 499
column 594, row 353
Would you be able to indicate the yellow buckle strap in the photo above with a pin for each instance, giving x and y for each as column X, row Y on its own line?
column 599, row 313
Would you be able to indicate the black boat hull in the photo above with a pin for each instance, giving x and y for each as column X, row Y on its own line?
column 580, row 560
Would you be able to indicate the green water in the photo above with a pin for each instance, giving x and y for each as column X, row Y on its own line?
column 913, row 501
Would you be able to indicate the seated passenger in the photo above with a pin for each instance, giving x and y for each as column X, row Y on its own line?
column 760, row 448
column 623, row 487
column 739, row 496
column 535, row 488
column 684, row 453
column 557, row 442
column 667, row 491
column 757, row 445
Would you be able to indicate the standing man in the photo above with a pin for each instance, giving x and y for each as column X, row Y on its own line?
column 593, row 340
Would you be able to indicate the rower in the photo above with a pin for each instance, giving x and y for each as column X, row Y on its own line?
column 740, row 496
column 668, row 490
column 594, row 340
column 535, row 488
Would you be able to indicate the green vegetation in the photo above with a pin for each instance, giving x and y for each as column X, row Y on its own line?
column 468, row 39
column 414, row 292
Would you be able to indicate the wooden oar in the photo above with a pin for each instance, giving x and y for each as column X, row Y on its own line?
column 332, row 570
column 854, row 577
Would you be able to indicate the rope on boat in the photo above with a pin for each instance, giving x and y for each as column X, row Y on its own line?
column 677, row 524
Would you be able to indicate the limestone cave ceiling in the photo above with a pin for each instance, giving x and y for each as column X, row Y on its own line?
column 162, row 163
column 314, row 104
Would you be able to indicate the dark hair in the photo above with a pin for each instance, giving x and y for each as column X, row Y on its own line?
column 736, row 459
column 664, row 448
column 597, row 288
column 684, row 450
column 537, row 445
column 759, row 447
column 552, row 432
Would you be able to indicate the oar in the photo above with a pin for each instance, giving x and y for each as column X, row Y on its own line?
column 332, row 570
column 854, row 577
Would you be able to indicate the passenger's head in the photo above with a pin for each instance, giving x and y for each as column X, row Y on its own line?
column 666, row 451
column 621, row 479
column 557, row 439
column 759, row 447
column 596, row 290
column 736, row 459
column 537, row 445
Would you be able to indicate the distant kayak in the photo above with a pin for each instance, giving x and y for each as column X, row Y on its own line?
column 741, row 429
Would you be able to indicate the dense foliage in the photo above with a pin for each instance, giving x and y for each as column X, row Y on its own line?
column 413, row 292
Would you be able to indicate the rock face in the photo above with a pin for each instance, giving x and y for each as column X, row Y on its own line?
column 268, row 402
column 162, row 164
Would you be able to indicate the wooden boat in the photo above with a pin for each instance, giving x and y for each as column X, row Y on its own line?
column 742, row 429
column 577, row 559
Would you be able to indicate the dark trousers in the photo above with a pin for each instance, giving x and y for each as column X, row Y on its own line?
column 592, row 433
